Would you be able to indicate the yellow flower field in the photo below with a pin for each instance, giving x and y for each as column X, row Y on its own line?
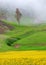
column 23, row 58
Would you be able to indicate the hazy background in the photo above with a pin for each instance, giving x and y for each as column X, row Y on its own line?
column 34, row 11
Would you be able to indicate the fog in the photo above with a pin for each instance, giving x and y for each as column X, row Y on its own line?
column 35, row 10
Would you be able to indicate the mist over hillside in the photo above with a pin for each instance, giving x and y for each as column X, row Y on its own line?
column 33, row 11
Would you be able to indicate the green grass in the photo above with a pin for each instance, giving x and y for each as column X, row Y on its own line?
column 38, row 37
column 30, row 37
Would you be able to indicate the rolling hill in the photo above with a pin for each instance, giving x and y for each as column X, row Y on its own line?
column 18, row 37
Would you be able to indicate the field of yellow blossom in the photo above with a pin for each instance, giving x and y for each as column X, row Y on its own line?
column 23, row 58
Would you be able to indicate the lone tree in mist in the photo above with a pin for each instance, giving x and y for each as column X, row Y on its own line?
column 18, row 15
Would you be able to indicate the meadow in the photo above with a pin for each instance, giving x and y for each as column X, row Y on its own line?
column 23, row 37
column 22, row 45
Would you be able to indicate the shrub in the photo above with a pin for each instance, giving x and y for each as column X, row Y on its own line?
column 10, row 41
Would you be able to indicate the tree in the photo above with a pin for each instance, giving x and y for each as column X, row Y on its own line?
column 18, row 15
column 3, row 13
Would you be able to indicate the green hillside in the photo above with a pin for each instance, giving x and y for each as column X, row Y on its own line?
column 23, row 37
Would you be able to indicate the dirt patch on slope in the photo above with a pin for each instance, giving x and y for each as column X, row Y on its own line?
column 7, row 25
column 4, row 27
column 17, row 45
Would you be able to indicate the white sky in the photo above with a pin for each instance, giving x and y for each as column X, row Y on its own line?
column 37, row 6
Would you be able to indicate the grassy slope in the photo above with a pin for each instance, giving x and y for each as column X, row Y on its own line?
column 36, row 37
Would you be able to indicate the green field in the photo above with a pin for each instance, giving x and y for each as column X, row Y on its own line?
column 24, row 37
